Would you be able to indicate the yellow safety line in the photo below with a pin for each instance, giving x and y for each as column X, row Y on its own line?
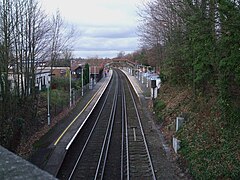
column 60, row 137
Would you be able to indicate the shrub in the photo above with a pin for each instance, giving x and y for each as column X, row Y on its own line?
column 159, row 105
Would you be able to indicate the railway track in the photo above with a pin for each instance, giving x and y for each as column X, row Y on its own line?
column 140, row 164
column 112, row 144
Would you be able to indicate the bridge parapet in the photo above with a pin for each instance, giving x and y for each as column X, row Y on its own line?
column 14, row 167
column 122, row 61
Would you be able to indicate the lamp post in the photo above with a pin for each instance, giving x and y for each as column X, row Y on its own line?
column 70, row 86
column 82, row 80
column 48, row 100
column 90, row 82
column 94, row 82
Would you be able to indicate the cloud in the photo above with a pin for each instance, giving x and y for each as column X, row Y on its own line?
column 109, row 32
column 94, row 12
column 105, row 25
column 97, row 44
column 99, row 54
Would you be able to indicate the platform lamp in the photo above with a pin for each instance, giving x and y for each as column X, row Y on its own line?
column 82, row 78
column 48, row 100
column 48, row 85
column 70, row 86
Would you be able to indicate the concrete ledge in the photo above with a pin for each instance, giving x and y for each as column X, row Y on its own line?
column 14, row 167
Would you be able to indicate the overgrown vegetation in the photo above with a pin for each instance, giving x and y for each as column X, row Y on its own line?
column 211, row 150
column 208, row 145
column 159, row 105
column 196, row 46
column 59, row 94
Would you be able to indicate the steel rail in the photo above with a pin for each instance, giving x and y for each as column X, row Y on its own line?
column 123, row 127
column 122, row 143
column 101, row 89
column 126, row 134
column 90, row 134
column 101, row 136
column 107, row 136
column 143, row 134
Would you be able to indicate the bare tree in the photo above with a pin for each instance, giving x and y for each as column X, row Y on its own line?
column 62, row 37
column 25, row 33
column 161, row 25
column 121, row 54
column 6, row 28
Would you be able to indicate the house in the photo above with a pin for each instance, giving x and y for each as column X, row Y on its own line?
column 76, row 70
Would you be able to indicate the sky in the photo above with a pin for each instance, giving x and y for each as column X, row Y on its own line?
column 105, row 27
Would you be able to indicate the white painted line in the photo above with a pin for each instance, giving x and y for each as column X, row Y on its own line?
column 71, row 141
column 132, row 84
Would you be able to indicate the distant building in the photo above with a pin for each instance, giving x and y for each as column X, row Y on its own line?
column 42, row 79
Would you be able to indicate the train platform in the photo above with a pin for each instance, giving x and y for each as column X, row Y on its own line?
column 63, row 142
column 61, row 145
column 141, row 85
column 12, row 166
column 15, row 167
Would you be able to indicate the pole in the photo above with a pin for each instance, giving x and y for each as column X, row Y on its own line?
column 94, row 75
column 70, row 87
column 90, row 86
column 82, row 81
column 48, row 104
